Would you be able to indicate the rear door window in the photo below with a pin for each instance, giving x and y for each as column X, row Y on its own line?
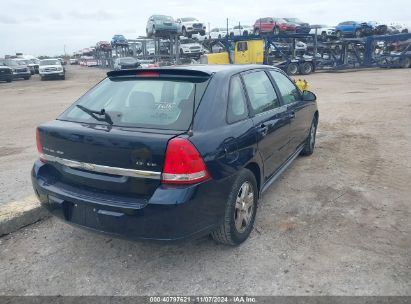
column 260, row 92
column 237, row 105
column 288, row 90
column 146, row 103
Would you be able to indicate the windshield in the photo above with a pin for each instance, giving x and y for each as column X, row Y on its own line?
column 22, row 62
column 144, row 103
column 50, row 62
column 12, row 63
column 188, row 19
column 186, row 41
column 295, row 20
column 165, row 18
column 128, row 60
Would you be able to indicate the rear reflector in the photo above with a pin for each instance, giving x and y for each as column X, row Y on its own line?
column 39, row 146
column 183, row 164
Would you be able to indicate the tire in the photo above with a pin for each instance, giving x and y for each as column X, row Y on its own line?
column 339, row 34
column 202, row 33
column 63, row 77
column 306, row 68
column 240, row 210
column 405, row 62
column 184, row 32
column 276, row 30
column 219, row 36
column 8, row 80
column 257, row 32
column 292, row 69
column 26, row 78
column 358, row 33
column 324, row 36
column 153, row 31
column 245, row 33
column 310, row 141
column 41, row 78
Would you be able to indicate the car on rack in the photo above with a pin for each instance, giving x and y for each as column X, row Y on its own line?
column 162, row 26
column 353, row 29
column 274, row 26
column 126, row 63
column 6, row 73
column 190, row 48
column 174, row 152
column 190, row 25
column 218, row 33
column 103, row 45
column 300, row 26
column 323, row 31
column 241, row 30
column 119, row 40
column 19, row 70
column 73, row 61
column 52, row 69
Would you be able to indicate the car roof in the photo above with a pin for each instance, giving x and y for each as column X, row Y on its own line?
column 208, row 69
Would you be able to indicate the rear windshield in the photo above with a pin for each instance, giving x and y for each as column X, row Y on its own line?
column 166, row 104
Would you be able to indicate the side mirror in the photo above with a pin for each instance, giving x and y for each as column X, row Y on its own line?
column 309, row 96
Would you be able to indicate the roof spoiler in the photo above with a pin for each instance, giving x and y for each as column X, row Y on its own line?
column 160, row 72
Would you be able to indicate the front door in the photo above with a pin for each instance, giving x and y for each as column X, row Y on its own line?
column 298, row 111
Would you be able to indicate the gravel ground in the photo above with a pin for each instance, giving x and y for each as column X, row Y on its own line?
column 335, row 223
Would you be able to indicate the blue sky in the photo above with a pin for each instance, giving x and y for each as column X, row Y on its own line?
column 40, row 27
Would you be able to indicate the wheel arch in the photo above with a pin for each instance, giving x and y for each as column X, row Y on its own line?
column 255, row 169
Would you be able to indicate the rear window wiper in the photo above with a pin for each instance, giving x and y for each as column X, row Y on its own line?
column 107, row 117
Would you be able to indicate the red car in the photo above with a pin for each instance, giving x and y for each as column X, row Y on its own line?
column 273, row 25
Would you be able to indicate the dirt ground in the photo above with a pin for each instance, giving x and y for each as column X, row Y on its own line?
column 335, row 223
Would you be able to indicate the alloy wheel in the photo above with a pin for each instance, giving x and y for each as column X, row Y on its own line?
column 244, row 207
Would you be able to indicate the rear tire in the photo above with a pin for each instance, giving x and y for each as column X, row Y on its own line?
column 292, row 69
column 339, row 34
column 257, row 32
column 306, row 68
column 8, row 80
column 27, row 78
column 358, row 33
column 63, row 77
column 405, row 62
column 240, row 210
column 310, row 141
column 276, row 30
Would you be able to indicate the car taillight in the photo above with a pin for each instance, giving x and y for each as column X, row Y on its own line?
column 39, row 146
column 183, row 164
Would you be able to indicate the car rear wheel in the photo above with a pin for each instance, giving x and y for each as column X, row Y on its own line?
column 339, row 34
column 276, row 31
column 184, row 32
column 8, row 80
column 27, row 78
column 257, row 32
column 358, row 33
column 310, row 141
column 240, row 210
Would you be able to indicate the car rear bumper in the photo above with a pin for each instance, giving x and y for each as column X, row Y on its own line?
column 171, row 213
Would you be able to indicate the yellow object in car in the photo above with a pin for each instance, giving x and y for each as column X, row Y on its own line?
column 302, row 85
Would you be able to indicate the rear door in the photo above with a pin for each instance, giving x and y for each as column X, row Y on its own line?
column 270, row 119
column 298, row 111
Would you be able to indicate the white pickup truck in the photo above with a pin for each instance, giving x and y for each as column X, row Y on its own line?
column 51, row 68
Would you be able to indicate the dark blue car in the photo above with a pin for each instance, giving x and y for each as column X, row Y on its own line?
column 119, row 40
column 171, row 153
